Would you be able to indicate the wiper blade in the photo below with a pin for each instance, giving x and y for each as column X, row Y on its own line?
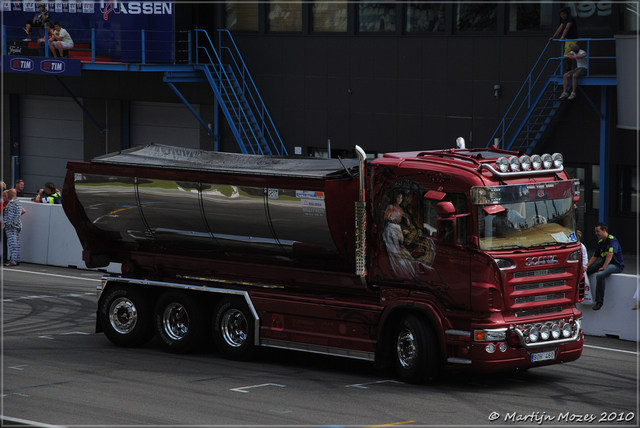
column 505, row 246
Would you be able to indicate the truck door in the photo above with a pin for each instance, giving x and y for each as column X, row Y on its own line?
column 412, row 246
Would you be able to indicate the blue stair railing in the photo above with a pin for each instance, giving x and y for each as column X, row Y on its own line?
column 536, row 104
column 238, row 95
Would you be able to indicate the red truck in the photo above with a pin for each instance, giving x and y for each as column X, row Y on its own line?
column 464, row 259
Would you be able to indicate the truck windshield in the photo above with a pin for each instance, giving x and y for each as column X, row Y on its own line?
column 526, row 224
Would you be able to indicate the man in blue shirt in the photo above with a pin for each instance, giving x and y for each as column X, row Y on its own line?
column 606, row 260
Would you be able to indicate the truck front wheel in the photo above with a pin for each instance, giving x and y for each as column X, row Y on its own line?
column 125, row 317
column 233, row 329
column 179, row 322
column 414, row 350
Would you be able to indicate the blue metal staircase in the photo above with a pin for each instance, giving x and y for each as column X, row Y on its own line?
column 537, row 103
column 235, row 92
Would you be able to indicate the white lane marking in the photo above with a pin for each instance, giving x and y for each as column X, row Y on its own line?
column 18, row 367
column 362, row 385
column 44, row 296
column 610, row 349
column 45, row 337
column 256, row 386
column 53, row 274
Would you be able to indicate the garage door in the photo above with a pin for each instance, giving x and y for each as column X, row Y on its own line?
column 171, row 124
column 50, row 135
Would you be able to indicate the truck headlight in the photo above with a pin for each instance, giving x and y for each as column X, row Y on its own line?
column 490, row 335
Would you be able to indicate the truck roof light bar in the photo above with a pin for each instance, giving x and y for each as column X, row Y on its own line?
column 514, row 166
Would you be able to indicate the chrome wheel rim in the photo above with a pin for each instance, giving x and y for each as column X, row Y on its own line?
column 406, row 348
column 123, row 315
column 175, row 321
column 234, row 328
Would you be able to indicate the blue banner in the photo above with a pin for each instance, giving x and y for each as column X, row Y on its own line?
column 40, row 65
column 123, row 31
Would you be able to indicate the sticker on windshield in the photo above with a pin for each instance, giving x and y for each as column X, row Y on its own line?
column 560, row 237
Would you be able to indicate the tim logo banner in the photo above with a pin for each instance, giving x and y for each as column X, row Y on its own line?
column 37, row 65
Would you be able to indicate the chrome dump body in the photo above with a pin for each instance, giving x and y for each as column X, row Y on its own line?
column 187, row 200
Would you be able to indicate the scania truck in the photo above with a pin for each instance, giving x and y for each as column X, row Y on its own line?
column 463, row 259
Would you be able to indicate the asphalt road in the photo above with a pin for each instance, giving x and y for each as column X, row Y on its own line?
column 57, row 371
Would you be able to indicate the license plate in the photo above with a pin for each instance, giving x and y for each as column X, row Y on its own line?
column 543, row 356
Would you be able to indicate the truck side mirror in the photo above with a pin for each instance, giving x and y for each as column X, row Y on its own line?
column 434, row 195
column 445, row 209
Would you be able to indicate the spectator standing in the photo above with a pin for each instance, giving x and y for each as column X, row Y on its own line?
column 3, row 199
column 49, row 194
column 578, row 56
column 38, row 21
column 60, row 40
column 568, row 29
column 13, row 226
column 20, row 187
column 585, row 260
column 606, row 260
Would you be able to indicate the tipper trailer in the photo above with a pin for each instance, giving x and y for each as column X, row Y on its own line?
column 464, row 259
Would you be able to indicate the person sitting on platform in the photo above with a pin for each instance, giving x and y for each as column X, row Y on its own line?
column 580, row 57
column 37, row 22
column 60, row 40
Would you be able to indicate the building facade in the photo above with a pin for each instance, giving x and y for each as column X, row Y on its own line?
column 384, row 76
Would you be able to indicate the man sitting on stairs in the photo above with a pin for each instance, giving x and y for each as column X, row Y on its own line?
column 580, row 57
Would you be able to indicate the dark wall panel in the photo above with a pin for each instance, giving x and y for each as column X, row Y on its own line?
column 361, row 99
column 385, row 96
column 361, row 57
column 409, row 135
column 385, row 58
column 409, row 58
column 435, row 58
column 338, row 56
column 409, row 96
column 316, row 56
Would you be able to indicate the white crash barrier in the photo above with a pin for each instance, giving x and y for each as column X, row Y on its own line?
column 616, row 317
column 48, row 238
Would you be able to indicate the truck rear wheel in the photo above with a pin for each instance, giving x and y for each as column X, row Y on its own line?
column 125, row 317
column 233, row 329
column 414, row 350
column 179, row 322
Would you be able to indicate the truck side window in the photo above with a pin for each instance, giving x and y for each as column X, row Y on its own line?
column 446, row 232
column 459, row 201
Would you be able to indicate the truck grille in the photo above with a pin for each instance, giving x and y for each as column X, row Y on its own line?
column 552, row 271
column 538, row 285
column 536, row 312
column 540, row 298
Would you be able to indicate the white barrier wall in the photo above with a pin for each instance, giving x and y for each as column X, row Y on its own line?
column 616, row 318
column 48, row 238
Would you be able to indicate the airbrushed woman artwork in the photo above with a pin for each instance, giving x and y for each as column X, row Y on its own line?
column 410, row 251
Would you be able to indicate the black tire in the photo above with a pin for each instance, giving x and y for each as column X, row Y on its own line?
column 234, row 329
column 414, row 350
column 179, row 322
column 125, row 317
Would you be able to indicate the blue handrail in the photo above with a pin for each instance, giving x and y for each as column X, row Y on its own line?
column 250, row 90
column 530, row 91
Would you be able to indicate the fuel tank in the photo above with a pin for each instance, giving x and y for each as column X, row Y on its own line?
column 165, row 198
